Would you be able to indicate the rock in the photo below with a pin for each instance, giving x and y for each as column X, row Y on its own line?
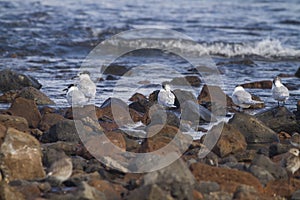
column 26, row 108
column 263, row 175
column 16, row 122
column 206, row 187
column 34, row 94
column 279, row 119
column 21, row 156
column 64, row 131
column 158, row 115
column 215, row 97
column 253, row 129
column 244, row 61
column 296, row 195
column 297, row 74
column 264, row 162
column 8, row 97
column 10, row 193
column 106, row 188
column 11, row 80
column 3, row 130
column 245, row 192
column 231, row 141
column 278, row 148
column 218, row 195
column 246, row 156
column 117, row 139
column 258, row 84
column 175, row 178
column 282, row 187
column 78, row 113
column 182, row 96
column 136, row 97
column 30, row 190
column 153, row 97
column 117, row 70
column 149, row 192
column 48, row 120
column 228, row 179
column 186, row 81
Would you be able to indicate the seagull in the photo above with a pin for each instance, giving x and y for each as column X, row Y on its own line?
column 75, row 97
column 86, row 85
column 61, row 170
column 279, row 91
column 166, row 97
column 242, row 98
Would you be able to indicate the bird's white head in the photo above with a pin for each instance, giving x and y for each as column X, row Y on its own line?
column 84, row 75
column 166, row 86
column 277, row 81
column 238, row 88
column 294, row 151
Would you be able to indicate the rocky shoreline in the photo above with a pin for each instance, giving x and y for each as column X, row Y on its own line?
column 244, row 163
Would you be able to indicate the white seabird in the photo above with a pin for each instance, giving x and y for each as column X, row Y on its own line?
column 86, row 85
column 75, row 97
column 279, row 91
column 166, row 97
column 242, row 98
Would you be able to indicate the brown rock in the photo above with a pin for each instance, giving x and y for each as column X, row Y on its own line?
column 228, row 179
column 2, row 134
column 231, row 140
column 117, row 139
column 149, row 192
column 48, row 120
column 105, row 187
column 90, row 111
column 34, row 94
column 187, row 81
column 10, row 193
column 297, row 74
column 27, row 109
column 245, row 192
column 282, row 187
column 21, row 156
column 8, row 97
column 137, row 97
column 16, row 122
column 214, row 93
column 258, row 84
column 27, row 189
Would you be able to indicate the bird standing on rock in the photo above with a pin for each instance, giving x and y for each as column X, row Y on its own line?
column 166, row 97
column 61, row 170
column 242, row 98
column 86, row 85
column 279, row 91
column 74, row 96
column 291, row 162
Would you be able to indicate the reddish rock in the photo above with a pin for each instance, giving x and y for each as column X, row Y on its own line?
column 82, row 112
column 26, row 108
column 215, row 93
column 117, row 139
column 231, row 140
column 16, row 122
column 282, row 187
column 21, row 156
column 197, row 195
column 48, row 120
column 105, row 187
column 228, row 179
column 137, row 97
column 258, row 84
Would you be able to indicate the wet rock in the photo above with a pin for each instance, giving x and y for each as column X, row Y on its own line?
column 231, row 141
column 228, row 179
column 296, row 195
column 175, row 178
column 10, row 193
column 21, row 156
column 253, row 129
column 194, row 81
column 26, row 108
column 78, row 113
column 48, row 120
column 245, row 192
column 262, row 174
column 279, row 119
column 264, row 162
column 139, row 106
column 64, row 131
column 117, row 70
column 8, row 97
column 149, row 192
column 215, row 97
column 297, row 74
column 153, row 96
column 84, row 191
column 244, row 61
column 206, row 187
column 16, row 122
column 34, row 94
column 136, row 97
column 258, row 84
column 11, row 80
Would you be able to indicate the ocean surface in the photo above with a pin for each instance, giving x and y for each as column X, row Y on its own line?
column 50, row 40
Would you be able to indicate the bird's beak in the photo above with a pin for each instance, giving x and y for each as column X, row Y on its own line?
column 66, row 89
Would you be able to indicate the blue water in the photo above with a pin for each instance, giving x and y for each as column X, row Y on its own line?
column 50, row 39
